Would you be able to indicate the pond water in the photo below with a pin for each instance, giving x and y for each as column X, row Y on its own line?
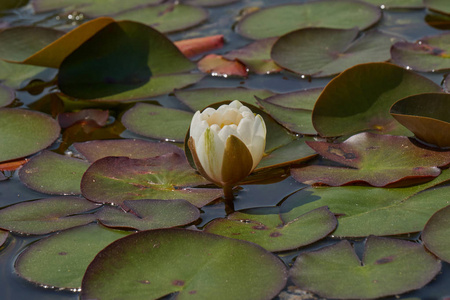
column 409, row 24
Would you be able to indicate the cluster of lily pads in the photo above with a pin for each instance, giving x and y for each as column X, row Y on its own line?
column 124, row 212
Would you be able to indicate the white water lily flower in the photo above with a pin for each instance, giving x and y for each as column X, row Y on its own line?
column 227, row 143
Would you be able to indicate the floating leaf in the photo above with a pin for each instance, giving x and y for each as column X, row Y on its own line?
column 60, row 260
column 196, row 265
column 18, row 76
column 96, row 8
column 153, row 121
column 388, row 4
column 7, row 95
column 269, row 227
column 97, row 115
column 440, row 6
column 167, row 17
column 24, row 132
column 167, row 177
column 293, row 110
column 46, row 215
column 149, row 214
column 364, row 211
column 51, row 173
column 217, row 65
column 427, row 116
column 326, row 51
column 388, row 267
column 360, row 97
column 278, row 20
column 209, row 3
column 10, row 4
column 195, row 46
column 436, row 234
column 378, row 160
column 198, row 99
column 3, row 237
column 132, row 148
column 256, row 56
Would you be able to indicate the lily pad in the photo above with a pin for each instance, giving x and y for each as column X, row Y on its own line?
column 393, row 4
column 427, row 116
column 20, row 138
column 51, row 173
column 91, row 8
column 97, row 115
column 196, row 265
column 436, row 234
column 217, row 65
column 152, row 121
column 166, row 177
column 10, row 4
column 18, row 76
column 365, row 211
column 256, row 56
column 60, row 260
column 132, row 148
column 429, row 54
column 149, row 214
column 389, row 267
column 7, row 95
column 46, row 215
column 322, row 52
column 360, row 97
column 166, row 17
column 271, row 229
column 3, row 237
column 198, row 99
column 440, row 6
column 278, row 20
column 209, row 3
column 378, row 160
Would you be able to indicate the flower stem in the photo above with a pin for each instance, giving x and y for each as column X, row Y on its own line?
column 228, row 192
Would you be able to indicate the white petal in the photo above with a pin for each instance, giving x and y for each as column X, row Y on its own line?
column 198, row 126
column 245, row 131
column 235, row 104
column 226, row 131
column 207, row 113
column 245, row 109
column 210, row 151
column 259, row 140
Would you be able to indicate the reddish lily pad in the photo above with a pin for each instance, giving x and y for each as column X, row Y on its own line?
column 278, row 20
column 388, row 267
column 365, row 211
column 152, row 121
column 195, row 46
column 197, row 265
column 256, row 56
column 271, row 229
column 327, row 51
column 132, row 148
column 149, row 214
column 378, row 160
column 166, row 17
column 166, row 177
column 198, row 99
column 7, row 95
column 97, row 115
column 360, row 97
column 51, row 173
column 60, row 260
column 436, row 234
column 46, row 215
column 427, row 116
column 24, row 132
column 429, row 54
column 440, row 6
column 209, row 3
column 217, row 65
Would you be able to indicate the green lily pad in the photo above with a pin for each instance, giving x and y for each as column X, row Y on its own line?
column 209, row 3
column 278, row 20
column 429, row 54
column 60, row 260
column 21, row 138
column 152, row 121
column 269, row 227
column 149, row 214
column 91, row 8
column 360, row 97
column 388, row 4
column 135, row 53
column 198, row 99
column 46, row 215
column 378, row 160
column 327, row 51
column 256, row 56
column 7, row 95
column 196, row 265
column 165, row 177
column 3, row 237
column 51, row 173
column 18, row 76
column 440, row 6
column 365, row 211
column 389, row 267
column 293, row 110
column 132, row 148
column 427, row 116
column 436, row 234
column 167, row 17
column 69, row 118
